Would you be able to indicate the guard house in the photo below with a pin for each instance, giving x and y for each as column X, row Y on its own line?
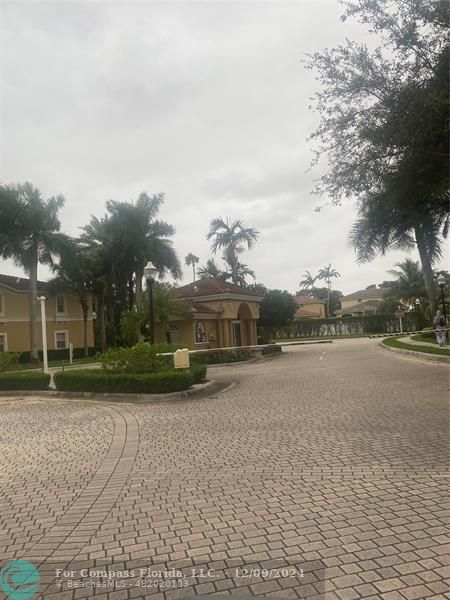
column 221, row 315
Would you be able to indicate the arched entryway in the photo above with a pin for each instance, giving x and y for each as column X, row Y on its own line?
column 242, row 327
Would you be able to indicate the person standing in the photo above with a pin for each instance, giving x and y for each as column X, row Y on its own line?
column 440, row 328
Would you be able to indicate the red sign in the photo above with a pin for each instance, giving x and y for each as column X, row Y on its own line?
column 399, row 313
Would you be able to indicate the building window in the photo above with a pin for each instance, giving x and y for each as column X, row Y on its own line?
column 60, row 305
column 61, row 339
column 3, row 342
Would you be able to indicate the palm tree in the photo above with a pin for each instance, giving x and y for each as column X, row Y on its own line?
column 232, row 236
column 308, row 281
column 328, row 273
column 211, row 270
column 384, row 225
column 29, row 236
column 125, row 239
column 409, row 283
column 191, row 260
column 243, row 271
column 142, row 238
column 75, row 273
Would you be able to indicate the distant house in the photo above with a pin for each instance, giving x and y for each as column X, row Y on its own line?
column 309, row 307
column 362, row 302
column 63, row 311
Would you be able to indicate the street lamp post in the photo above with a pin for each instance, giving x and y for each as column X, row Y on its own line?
column 417, row 303
column 441, row 283
column 42, row 300
column 149, row 274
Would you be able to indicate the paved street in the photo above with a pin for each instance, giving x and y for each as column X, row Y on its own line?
column 331, row 459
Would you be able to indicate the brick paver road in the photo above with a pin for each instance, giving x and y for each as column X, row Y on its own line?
column 331, row 459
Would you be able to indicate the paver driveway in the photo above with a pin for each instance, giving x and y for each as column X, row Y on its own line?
column 331, row 459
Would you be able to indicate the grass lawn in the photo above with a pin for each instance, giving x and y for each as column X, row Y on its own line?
column 423, row 338
column 396, row 343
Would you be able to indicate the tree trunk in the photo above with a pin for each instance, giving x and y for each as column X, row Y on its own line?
column 426, row 267
column 85, row 308
column 328, row 301
column 193, row 270
column 34, row 355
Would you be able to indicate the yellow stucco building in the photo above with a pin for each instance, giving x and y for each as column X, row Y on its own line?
column 63, row 313
column 221, row 315
column 309, row 307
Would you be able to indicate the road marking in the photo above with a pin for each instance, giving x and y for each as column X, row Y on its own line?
column 323, row 354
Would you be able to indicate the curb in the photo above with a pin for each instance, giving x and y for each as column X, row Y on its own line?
column 210, row 387
column 443, row 360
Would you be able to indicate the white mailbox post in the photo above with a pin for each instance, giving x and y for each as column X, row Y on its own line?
column 181, row 359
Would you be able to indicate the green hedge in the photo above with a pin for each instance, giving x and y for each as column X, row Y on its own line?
column 57, row 354
column 9, row 360
column 219, row 356
column 98, row 380
column 198, row 373
column 273, row 349
column 141, row 358
column 24, row 380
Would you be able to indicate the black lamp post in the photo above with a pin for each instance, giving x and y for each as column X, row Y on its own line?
column 417, row 303
column 149, row 273
column 441, row 283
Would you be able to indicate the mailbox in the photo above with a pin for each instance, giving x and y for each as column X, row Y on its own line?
column 181, row 359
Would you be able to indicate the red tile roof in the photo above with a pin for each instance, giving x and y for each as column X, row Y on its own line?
column 211, row 286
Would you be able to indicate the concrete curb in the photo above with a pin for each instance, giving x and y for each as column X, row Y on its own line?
column 198, row 389
column 443, row 360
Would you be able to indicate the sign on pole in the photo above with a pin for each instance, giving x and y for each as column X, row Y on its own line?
column 399, row 313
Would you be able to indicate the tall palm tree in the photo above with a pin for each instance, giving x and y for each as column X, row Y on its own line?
column 143, row 238
column 125, row 239
column 30, row 234
column 191, row 260
column 383, row 224
column 328, row 273
column 75, row 272
column 211, row 269
column 233, row 237
column 308, row 281
column 409, row 283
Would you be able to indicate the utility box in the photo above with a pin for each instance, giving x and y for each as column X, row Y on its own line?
column 181, row 359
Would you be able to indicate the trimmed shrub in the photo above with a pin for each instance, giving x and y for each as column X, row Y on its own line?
column 141, row 358
column 24, row 380
column 57, row 354
column 273, row 349
column 220, row 356
column 9, row 360
column 99, row 380
column 198, row 373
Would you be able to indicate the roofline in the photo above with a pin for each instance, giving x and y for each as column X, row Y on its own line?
column 224, row 296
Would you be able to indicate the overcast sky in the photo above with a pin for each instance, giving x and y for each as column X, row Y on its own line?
column 204, row 101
